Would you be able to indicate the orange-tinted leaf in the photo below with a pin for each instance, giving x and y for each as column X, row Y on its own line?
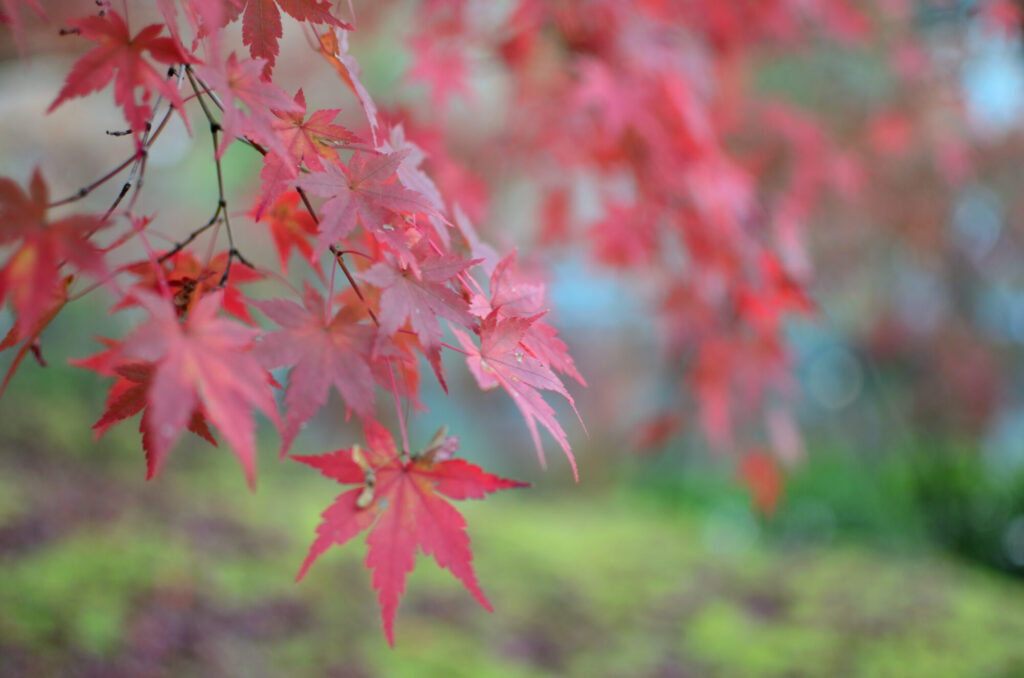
column 291, row 226
column 31, row 277
column 189, row 281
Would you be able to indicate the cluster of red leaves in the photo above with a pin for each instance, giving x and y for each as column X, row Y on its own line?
column 200, row 360
column 705, row 184
column 618, row 94
column 704, row 190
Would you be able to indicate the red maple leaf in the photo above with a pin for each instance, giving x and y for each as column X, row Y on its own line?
column 31, row 277
column 409, row 172
column 127, row 397
column 118, row 56
column 189, row 280
column 306, row 141
column 240, row 82
column 30, row 340
column 503, row 360
column 514, row 296
column 542, row 342
column 290, row 227
column 402, row 502
column 322, row 351
column 312, row 138
column 421, row 297
column 261, row 23
column 365, row 191
column 205, row 362
column 765, row 304
column 511, row 293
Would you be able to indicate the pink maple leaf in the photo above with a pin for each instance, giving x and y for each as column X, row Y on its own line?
column 241, row 82
column 503, row 360
column 365, row 191
column 321, row 351
column 420, row 299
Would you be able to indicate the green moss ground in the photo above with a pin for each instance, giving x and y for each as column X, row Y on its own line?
column 103, row 574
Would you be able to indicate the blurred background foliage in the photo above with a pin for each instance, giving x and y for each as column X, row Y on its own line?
column 896, row 548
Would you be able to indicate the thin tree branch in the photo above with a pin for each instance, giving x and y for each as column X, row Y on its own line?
column 222, row 205
column 86, row 190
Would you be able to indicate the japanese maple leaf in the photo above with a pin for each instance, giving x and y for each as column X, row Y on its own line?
column 31, row 276
column 240, row 82
column 402, row 503
column 364, row 191
column 261, row 23
column 312, row 138
column 511, row 294
column 306, row 140
column 291, row 226
column 415, row 179
column 321, row 351
column 189, row 280
column 119, row 57
column 30, row 340
column 503, row 360
column 409, row 172
column 204, row 361
column 421, row 299
column 542, row 342
column 514, row 296
column 127, row 397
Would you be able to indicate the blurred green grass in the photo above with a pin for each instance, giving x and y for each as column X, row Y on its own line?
column 663, row 574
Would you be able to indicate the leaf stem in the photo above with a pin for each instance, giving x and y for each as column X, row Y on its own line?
column 398, row 410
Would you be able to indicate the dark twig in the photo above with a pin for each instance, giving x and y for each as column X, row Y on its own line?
column 192, row 236
column 222, row 205
column 135, row 159
column 86, row 190
column 339, row 256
